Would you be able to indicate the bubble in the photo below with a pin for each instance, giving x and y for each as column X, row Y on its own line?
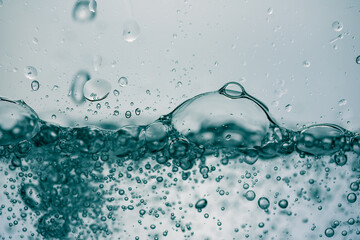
column 306, row 64
column 96, row 90
column 128, row 114
column 351, row 197
column 340, row 159
column 357, row 60
column 35, row 85
column 81, row 11
column 250, row 156
column 329, row 232
column 92, row 6
column 30, row 72
column 53, row 225
column 342, row 102
column 263, row 203
column 233, row 90
column 354, row 186
column 123, row 81
column 131, row 31
column 77, row 86
column 250, row 195
column 116, row 93
column 201, row 203
column 288, row 107
column 18, row 122
column 337, row 26
column 283, row 203
column 270, row 11
column 137, row 111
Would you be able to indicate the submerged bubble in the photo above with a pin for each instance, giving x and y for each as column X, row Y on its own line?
column 329, row 232
column 35, row 85
column 81, row 11
column 263, row 203
column 357, row 60
column 131, row 31
column 351, row 197
column 92, row 6
column 123, row 81
column 18, row 122
column 96, row 90
column 306, row 63
column 233, row 90
column 283, row 203
column 342, row 102
column 30, row 72
column 337, row 26
column 77, row 86
column 250, row 195
column 202, row 203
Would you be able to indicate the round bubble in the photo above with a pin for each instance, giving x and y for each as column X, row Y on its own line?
column 263, row 203
column 201, row 204
column 81, row 11
column 96, row 89
column 131, row 31
column 30, row 72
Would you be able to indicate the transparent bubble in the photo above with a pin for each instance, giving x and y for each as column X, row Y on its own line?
column 354, row 186
column 250, row 195
column 283, row 203
column 30, row 72
column 306, row 63
column 81, row 11
column 128, row 114
column 263, row 203
column 137, row 111
column 123, row 81
column 92, row 6
column 351, row 197
column 342, row 102
column 288, row 107
column 329, row 232
column 201, row 204
column 96, row 90
column 77, row 86
column 35, row 85
column 131, row 31
column 357, row 60
column 337, row 26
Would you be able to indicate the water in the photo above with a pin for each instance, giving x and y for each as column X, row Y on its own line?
column 189, row 174
column 131, row 31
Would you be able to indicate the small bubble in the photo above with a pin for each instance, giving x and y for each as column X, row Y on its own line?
column 96, row 90
column 35, row 85
column 128, row 114
column 306, row 63
column 270, row 11
column 250, row 195
column 81, row 11
column 137, row 111
column 354, row 186
column 123, row 81
column 92, row 6
column 116, row 93
column 329, row 232
column 116, row 113
column 342, row 102
column 283, row 203
column 53, row 116
column 263, row 203
column 337, row 26
column 201, row 203
column 131, row 31
column 351, row 197
column 288, row 108
column 179, row 84
column 357, row 60
column 30, row 72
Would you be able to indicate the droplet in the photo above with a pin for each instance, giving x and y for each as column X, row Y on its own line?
column 306, row 63
column 96, row 90
column 329, row 232
column 30, row 72
column 35, row 85
column 201, row 203
column 337, row 26
column 288, row 107
column 270, row 11
column 283, row 203
column 81, row 11
column 77, row 86
column 92, row 6
column 263, row 203
column 351, row 197
column 123, row 81
column 131, row 31
column 342, row 102
column 250, row 195
column 128, row 114
column 357, row 60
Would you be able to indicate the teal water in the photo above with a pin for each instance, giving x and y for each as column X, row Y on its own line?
column 219, row 165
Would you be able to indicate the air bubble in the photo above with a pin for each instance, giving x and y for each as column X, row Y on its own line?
column 96, row 90
column 250, row 195
column 128, row 114
column 123, row 81
column 329, row 232
column 81, row 11
column 232, row 90
column 131, row 31
column 357, row 60
column 35, row 85
column 351, row 197
column 30, row 72
column 77, row 86
column 202, row 203
column 263, row 203
column 288, row 107
column 306, row 64
column 283, row 203
column 92, row 6
column 342, row 102
column 137, row 111
column 337, row 26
